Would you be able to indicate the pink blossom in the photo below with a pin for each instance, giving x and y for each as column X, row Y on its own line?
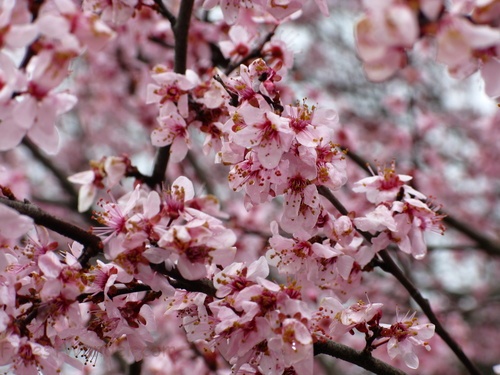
column 171, row 88
column 268, row 134
column 14, row 225
column 458, row 42
column 404, row 336
column 172, row 131
column 386, row 186
column 239, row 45
column 378, row 220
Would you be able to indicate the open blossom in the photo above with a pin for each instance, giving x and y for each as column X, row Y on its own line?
column 172, row 88
column 267, row 133
column 386, row 186
column 405, row 336
column 464, row 46
column 239, row 45
column 172, row 131
column 105, row 173
column 382, row 35
column 194, row 245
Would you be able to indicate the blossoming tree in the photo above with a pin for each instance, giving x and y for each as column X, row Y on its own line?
column 201, row 186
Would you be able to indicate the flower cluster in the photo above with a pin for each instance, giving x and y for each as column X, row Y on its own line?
column 467, row 37
column 30, row 99
column 258, row 325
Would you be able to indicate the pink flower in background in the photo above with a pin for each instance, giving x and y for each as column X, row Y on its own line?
column 239, row 45
column 13, row 225
column 382, row 36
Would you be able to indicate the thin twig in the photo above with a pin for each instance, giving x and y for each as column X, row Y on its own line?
column 163, row 10
column 61, row 176
column 391, row 267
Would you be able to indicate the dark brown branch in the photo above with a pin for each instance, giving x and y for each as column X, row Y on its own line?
column 181, row 31
column 178, row 281
column 56, row 171
column 135, row 368
column 360, row 358
column 482, row 241
column 92, row 244
column 391, row 267
column 163, row 10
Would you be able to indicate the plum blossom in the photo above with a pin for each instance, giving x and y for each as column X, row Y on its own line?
column 173, row 88
column 105, row 173
column 239, row 45
column 266, row 133
column 404, row 336
column 193, row 245
column 14, row 225
column 465, row 47
column 172, row 131
column 382, row 35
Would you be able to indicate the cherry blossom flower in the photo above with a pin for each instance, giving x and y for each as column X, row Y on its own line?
column 171, row 88
column 172, row 131
column 239, row 45
column 268, row 134
column 404, row 336
column 386, row 186
column 14, row 225
column 105, row 173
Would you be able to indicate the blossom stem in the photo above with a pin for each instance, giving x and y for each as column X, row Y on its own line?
column 163, row 10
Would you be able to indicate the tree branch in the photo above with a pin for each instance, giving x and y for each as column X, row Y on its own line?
column 92, row 244
column 391, row 267
column 56, row 171
column 181, row 31
column 360, row 358
column 163, row 10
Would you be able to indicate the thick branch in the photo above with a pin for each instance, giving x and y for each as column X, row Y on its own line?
column 181, row 31
column 360, row 358
column 92, row 243
column 391, row 267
